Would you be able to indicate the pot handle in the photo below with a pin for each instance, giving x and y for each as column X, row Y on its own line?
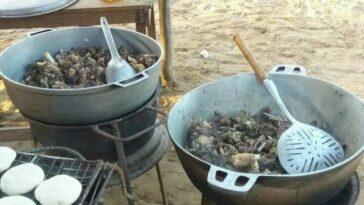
column 127, row 83
column 159, row 123
column 288, row 69
column 39, row 32
column 45, row 150
column 230, row 182
column 96, row 128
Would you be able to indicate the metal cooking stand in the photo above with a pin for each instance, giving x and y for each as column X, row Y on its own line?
column 117, row 138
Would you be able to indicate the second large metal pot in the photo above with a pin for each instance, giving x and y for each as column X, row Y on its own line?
column 78, row 106
column 309, row 99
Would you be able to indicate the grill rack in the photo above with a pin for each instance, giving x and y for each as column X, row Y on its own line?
column 101, row 182
column 93, row 175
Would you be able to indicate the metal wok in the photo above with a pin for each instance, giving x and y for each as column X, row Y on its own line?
column 337, row 111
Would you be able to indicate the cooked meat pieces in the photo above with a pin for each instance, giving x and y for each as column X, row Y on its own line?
column 80, row 68
column 241, row 142
column 246, row 162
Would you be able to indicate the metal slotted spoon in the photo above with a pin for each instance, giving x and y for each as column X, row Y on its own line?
column 301, row 148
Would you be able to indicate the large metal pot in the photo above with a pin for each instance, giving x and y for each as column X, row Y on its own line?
column 78, row 106
column 309, row 99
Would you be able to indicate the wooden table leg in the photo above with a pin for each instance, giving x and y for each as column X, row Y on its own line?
column 151, row 24
column 15, row 134
column 141, row 24
column 140, row 27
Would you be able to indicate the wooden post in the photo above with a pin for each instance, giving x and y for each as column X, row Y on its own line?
column 166, row 42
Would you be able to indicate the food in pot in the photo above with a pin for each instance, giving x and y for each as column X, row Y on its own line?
column 60, row 189
column 21, row 179
column 7, row 157
column 16, row 200
column 80, row 68
column 241, row 142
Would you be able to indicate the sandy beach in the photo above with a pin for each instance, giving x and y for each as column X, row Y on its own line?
column 325, row 36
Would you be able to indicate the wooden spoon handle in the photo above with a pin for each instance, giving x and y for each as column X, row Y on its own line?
column 259, row 72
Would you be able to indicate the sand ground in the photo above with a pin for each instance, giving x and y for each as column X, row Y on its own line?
column 326, row 36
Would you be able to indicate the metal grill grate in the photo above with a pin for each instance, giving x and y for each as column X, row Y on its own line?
column 87, row 172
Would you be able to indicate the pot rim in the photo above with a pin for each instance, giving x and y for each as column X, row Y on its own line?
column 78, row 91
column 341, row 164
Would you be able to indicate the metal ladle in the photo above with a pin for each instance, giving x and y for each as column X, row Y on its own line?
column 117, row 69
column 301, row 148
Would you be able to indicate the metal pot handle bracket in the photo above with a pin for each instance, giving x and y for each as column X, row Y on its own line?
column 29, row 35
column 288, row 69
column 96, row 128
column 230, row 182
column 39, row 32
column 134, row 80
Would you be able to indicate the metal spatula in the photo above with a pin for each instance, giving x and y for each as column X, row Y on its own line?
column 117, row 69
column 301, row 148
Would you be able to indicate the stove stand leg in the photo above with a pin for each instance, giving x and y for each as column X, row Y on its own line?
column 123, row 165
column 161, row 185
column 206, row 201
column 129, row 190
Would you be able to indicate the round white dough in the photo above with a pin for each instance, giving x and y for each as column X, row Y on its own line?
column 16, row 200
column 58, row 190
column 7, row 157
column 21, row 179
